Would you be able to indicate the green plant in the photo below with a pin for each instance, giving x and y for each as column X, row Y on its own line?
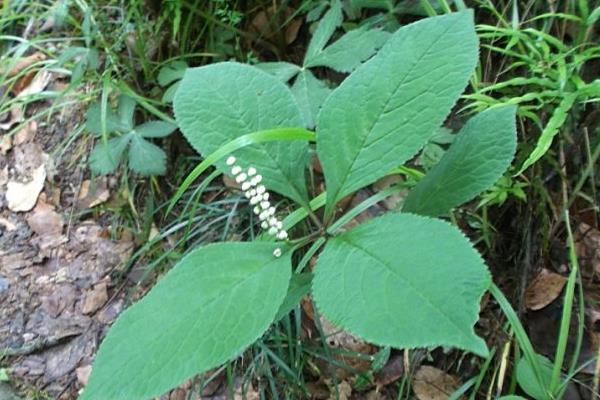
column 404, row 279
column 344, row 55
column 143, row 156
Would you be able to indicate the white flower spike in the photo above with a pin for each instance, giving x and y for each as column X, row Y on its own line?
column 259, row 198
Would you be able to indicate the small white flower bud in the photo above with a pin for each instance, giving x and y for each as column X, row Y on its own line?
column 272, row 211
column 261, row 189
column 265, row 204
column 254, row 200
column 263, row 216
column 246, row 185
column 241, row 177
column 266, row 196
column 279, row 225
column 251, row 171
column 231, row 160
column 272, row 231
column 282, row 235
column 257, row 179
column 277, row 252
column 253, row 193
column 236, row 170
column 272, row 221
column 257, row 210
column 264, row 224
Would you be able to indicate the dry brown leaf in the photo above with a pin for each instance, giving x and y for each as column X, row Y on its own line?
column 38, row 84
column 23, row 196
column 6, row 144
column 25, row 134
column 343, row 392
column 92, row 195
column 588, row 249
column 23, row 63
column 44, row 220
column 16, row 116
column 430, row 383
column 95, row 298
column 544, row 289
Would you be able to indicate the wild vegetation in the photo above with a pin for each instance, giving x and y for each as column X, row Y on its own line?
column 403, row 193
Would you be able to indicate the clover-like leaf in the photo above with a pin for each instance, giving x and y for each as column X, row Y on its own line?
column 405, row 281
column 155, row 129
column 146, row 158
column 105, row 157
column 478, row 157
column 385, row 111
column 93, row 120
column 220, row 102
column 217, row 301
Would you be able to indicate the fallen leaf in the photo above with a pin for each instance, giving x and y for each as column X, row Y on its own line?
column 25, row 134
column 15, row 116
column 587, row 247
column 544, row 289
column 343, row 392
column 93, row 195
column 391, row 371
column 23, row 63
column 44, row 220
column 95, row 298
column 6, row 144
column 23, row 196
column 430, row 383
column 38, row 84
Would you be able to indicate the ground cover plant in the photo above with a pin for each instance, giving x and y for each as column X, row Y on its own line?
column 402, row 266
column 294, row 176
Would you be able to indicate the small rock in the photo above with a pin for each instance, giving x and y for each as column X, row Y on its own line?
column 3, row 284
column 95, row 298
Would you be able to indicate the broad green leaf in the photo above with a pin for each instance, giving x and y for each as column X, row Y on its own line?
column 171, row 72
column 528, row 381
column 327, row 26
column 223, row 101
column 299, row 287
column 384, row 112
column 93, row 123
column 105, row 157
column 155, row 129
column 404, row 281
column 283, row 71
column 146, row 158
column 480, row 154
column 349, row 51
column 550, row 130
column 213, row 304
column 310, row 93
